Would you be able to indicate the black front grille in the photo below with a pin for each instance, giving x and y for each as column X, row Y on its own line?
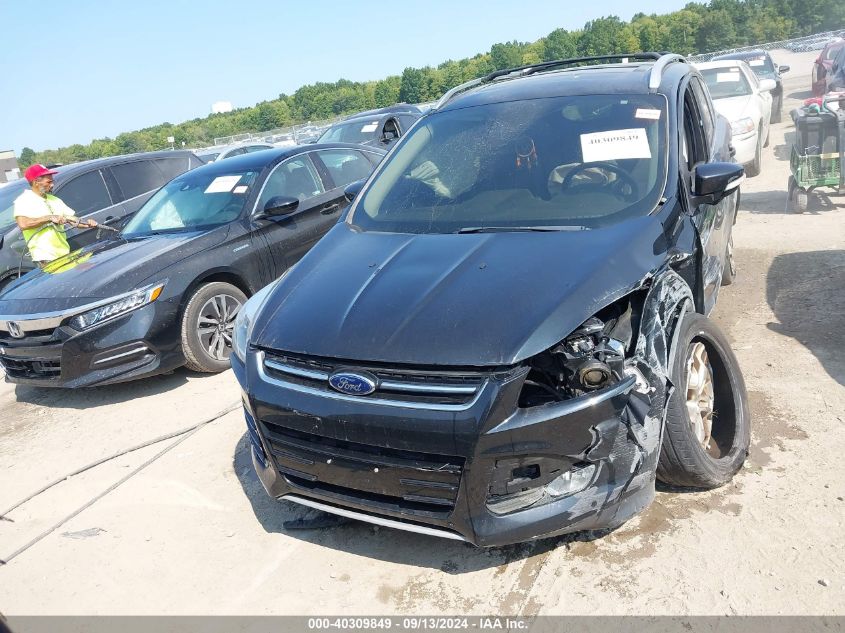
column 32, row 367
column 424, row 385
column 382, row 478
column 34, row 337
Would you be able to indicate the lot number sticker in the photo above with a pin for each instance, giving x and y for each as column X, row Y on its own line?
column 725, row 77
column 615, row 145
column 757, row 62
column 647, row 113
column 222, row 184
column 370, row 127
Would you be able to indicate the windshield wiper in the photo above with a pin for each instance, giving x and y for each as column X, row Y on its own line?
column 506, row 229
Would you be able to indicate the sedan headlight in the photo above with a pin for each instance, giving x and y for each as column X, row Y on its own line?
column 120, row 306
column 246, row 318
column 742, row 126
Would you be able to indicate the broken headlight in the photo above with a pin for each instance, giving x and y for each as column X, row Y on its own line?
column 590, row 358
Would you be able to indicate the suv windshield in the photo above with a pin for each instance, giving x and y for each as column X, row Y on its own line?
column 8, row 194
column 762, row 65
column 726, row 82
column 194, row 200
column 352, row 132
column 542, row 164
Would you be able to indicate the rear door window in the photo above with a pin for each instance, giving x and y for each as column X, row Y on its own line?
column 138, row 177
column 172, row 167
column 86, row 193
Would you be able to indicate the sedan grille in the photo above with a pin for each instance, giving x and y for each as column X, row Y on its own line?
column 32, row 367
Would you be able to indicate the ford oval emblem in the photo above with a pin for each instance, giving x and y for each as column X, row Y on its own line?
column 353, row 383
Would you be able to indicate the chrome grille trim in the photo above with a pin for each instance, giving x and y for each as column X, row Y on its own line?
column 262, row 363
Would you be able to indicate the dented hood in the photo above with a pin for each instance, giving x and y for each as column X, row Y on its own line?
column 471, row 299
column 102, row 270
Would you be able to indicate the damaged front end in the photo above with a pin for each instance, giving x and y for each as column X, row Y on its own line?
column 581, row 450
column 566, row 440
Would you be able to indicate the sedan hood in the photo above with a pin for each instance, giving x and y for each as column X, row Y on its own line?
column 102, row 270
column 471, row 300
column 735, row 108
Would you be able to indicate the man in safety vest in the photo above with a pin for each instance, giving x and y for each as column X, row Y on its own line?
column 42, row 217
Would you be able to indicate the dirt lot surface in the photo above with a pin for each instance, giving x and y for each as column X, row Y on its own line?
column 193, row 531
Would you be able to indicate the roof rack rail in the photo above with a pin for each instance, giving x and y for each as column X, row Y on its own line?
column 530, row 69
column 660, row 65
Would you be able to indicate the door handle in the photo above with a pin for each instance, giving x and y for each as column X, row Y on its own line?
column 331, row 209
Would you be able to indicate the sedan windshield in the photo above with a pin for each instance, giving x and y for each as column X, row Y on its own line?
column 542, row 164
column 352, row 132
column 195, row 200
column 726, row 82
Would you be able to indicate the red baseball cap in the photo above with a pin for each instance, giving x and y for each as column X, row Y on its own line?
column 36, row 171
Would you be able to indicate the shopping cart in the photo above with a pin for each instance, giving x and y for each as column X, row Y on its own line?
column 816, row 159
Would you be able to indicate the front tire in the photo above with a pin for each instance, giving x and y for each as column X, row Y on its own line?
column 753, row 168
column 207, row 326
column 708, row 424
column 777, row 110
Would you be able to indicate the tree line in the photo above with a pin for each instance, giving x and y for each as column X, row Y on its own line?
column 697, row 28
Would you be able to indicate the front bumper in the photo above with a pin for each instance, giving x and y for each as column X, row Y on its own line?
column 441, row 471
column 746, row 147
column 138, row 344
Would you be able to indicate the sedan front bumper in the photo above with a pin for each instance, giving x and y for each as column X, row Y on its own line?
column 137, row 344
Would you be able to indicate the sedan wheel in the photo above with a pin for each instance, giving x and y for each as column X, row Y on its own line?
column 207, row 326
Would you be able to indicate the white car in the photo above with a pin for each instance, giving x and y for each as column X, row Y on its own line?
column 220, row 152
column 746, row 102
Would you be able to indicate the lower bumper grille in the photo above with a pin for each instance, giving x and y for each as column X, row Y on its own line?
column 387, row 479
column 32, row 367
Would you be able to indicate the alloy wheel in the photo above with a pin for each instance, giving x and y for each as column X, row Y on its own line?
column 700, row 395
column 216, row 324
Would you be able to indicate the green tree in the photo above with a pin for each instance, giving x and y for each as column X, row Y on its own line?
column 507, row 55
column 559, row 44
column 605, row 36
column 27, row 157
column 716, row 32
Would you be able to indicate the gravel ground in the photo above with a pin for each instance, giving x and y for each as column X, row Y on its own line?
column 193, row 532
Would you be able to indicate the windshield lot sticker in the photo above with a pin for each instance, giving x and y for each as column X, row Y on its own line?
column 757, row 62
column 370, row 127
column 615, row 145
column 725, row 77
column 646, row 113
column 240, row 189
column 222, row 184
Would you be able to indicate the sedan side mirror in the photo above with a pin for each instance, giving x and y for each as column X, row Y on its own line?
column 714, row 181
column 278, row 205
column 767, row 85
column 353, row 189
column 783, row 69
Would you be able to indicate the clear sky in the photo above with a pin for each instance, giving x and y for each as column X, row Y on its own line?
column 76, row 71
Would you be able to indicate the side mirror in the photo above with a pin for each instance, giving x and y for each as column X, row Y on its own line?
column 353, row 189
column 714, row 181
column 783, row 69
column 767, row 85
column 278, row 205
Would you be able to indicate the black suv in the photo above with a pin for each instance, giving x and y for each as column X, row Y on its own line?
column 765, row 68
column 505, row 338
column 105, row 189
column 380, row 128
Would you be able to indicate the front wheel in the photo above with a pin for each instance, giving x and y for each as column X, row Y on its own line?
column 753, row 168
column 708, row 424
column 777, row 108
column 207, row 326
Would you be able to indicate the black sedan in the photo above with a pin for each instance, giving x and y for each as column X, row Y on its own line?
column 167, row 290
